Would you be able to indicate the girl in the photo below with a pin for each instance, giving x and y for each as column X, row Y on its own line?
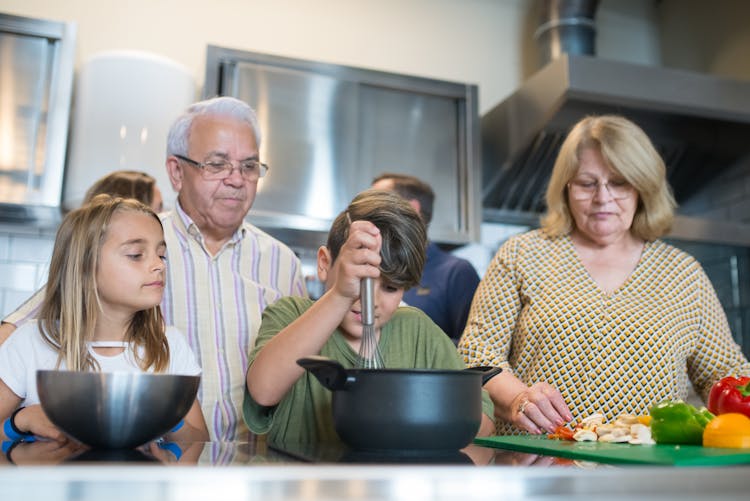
column 100, row 313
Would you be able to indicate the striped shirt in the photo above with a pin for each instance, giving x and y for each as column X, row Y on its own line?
column 539, row 314
column 217, row 301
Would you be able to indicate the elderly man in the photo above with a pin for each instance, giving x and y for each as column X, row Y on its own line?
column 222, row 271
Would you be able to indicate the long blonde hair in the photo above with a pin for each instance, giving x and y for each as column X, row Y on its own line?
column 629, row 152
column 71, row 305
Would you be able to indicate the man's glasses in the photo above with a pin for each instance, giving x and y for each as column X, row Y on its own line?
column 585, row 189
column 222, row 169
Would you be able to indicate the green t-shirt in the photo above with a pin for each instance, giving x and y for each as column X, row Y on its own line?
column 409, row 340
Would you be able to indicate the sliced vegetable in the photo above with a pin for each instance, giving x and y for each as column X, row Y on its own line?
column 730, row 394
column 677, row 422
column 728, row 430
column 561, row 433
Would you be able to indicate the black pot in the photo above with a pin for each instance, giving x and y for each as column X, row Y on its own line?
column 403, row 409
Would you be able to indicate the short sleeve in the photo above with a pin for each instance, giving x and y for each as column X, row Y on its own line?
column 15, row 355
column 182, row 360
column 27, row 311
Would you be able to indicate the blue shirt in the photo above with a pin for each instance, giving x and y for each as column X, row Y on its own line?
column 445, row 291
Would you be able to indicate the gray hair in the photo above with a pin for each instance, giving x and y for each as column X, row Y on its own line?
column 224, row 106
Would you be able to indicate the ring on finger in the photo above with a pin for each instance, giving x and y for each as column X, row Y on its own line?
column 522, row 407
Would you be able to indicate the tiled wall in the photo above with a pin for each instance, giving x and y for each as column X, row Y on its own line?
column 24, row 261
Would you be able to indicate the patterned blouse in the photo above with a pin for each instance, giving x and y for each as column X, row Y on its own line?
column 539, row 314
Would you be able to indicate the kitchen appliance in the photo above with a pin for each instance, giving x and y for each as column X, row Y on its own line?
column 36, row 79
column 329, row 129
column 118, row 410
column 126, row 101
column 403, row 409
column 698, row 122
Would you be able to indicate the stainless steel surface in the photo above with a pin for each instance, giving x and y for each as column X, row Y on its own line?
column 385, row 482
column 368, row 301
column 115, row 410
column 369, row 356
column 36, row 70
column 241, row 471
column 330, row 129
column 566, row 26
column 699, row 123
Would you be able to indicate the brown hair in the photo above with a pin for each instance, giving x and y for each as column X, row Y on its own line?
column 402, row 230
column 412, row 188
column 629, row 152
column 71, row 305
column 126, row 184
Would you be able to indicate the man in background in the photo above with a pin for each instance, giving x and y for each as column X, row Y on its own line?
column 448, row 282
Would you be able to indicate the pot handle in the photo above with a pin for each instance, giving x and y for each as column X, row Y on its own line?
column 329, row 372
column 488, row 372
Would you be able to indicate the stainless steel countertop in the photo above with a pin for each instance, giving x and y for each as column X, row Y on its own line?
column 253, row 471
column 391, row 482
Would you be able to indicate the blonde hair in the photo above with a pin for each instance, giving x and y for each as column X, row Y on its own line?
column 628, row 151
column 71, row 305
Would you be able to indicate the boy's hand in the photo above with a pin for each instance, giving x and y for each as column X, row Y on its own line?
column 33, row 419
column 358, row 258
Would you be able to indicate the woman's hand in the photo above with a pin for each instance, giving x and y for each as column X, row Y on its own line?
column 33, row 419
column 539, row 408
column 536, row 408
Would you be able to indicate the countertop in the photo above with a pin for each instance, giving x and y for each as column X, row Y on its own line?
column 253, row 470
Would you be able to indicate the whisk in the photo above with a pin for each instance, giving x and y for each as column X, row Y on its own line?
column 369, row 356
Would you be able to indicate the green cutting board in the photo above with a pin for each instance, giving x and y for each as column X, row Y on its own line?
column 602, row 452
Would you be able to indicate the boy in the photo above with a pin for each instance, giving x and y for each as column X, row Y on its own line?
column 386, row 241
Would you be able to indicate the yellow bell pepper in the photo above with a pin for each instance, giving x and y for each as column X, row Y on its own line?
column 730, row 430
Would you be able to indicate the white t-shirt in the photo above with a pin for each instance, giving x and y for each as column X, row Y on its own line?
column 25, row 352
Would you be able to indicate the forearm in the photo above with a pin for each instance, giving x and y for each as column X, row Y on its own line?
column 194, row 427
column 275, row 369
column 6, row 329
column 486, row 427
column 504, row 389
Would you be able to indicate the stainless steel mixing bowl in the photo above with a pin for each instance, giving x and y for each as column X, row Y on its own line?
column 115, row 410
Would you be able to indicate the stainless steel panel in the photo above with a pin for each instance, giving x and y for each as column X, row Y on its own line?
column 413, row 134
column 309, row 141
column 36, row 73
column 699, row 123
column 330, row 129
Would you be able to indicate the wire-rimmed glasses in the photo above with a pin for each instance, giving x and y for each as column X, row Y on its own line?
column 220, row 168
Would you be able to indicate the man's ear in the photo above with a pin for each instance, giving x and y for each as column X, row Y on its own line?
column 324, row 263
column 416, row 205
column 174, row 171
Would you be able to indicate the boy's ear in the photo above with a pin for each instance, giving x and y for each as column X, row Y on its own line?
column 324, row 263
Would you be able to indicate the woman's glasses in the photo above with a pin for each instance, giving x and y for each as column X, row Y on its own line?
column 585, row 189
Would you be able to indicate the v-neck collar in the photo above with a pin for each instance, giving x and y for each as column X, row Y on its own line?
column 575, row 259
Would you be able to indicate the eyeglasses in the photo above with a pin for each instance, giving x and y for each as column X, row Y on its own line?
column 222, row 169
column 584, row 189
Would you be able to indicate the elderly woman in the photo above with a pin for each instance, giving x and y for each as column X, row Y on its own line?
column 592, row 312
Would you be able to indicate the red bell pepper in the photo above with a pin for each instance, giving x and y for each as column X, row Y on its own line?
column 730, row 394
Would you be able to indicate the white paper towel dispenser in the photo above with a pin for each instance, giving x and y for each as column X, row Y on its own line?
column 124, row 104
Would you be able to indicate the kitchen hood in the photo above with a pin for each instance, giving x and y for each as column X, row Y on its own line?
column 699, row 123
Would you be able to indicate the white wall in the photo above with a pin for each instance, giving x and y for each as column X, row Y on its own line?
column 484, row 42
column 473, row 41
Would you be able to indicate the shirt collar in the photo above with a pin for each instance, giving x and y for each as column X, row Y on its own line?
column 192, row 229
